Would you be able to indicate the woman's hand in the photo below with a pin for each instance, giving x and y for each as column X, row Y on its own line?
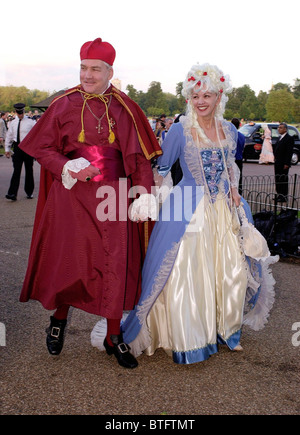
column 235, row 196
column 158, row 179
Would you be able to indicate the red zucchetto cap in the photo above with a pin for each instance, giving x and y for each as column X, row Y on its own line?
column 98, row 49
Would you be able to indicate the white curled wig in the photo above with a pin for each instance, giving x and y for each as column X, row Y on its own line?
column 210, row 78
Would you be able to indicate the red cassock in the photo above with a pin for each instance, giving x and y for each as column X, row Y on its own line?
column 85, row 251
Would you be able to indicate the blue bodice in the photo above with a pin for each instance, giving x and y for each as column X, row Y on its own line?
column 213, row 166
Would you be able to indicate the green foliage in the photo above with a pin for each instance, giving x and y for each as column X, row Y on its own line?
column 132, row 93
column 282, row 103
column 10, row 95
column 261, row 111
column 154, row 102
column 296, row 89
column 242, row 103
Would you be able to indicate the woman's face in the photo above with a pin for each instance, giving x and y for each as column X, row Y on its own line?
column 205, row 102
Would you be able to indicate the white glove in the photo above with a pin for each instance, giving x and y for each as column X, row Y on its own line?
column 75, row 165
column 143, row 208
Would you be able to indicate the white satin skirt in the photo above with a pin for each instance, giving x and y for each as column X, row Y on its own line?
column 202, row 302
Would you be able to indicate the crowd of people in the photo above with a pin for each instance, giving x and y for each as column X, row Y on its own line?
column 161, row 126
column 183, row 281
column 8, row 117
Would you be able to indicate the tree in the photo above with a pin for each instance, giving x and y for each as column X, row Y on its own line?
column 242, row 103
column 132, row 93
column 181, row 103
column 233, row 105
column 171, row 104
column 280, row 106
column 155, row 111
column 261, row 112
column 9, row 95
column 296, row 89
column 296, row 111
column 278, row 86
column 155, row 99
column 154, row 93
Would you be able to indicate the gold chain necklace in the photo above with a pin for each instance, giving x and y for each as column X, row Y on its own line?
column 98, row 127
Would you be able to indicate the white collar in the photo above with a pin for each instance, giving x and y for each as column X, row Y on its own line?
column 283, row 135
column 106, row 88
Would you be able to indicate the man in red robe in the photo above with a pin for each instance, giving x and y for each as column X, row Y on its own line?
column 93, row 144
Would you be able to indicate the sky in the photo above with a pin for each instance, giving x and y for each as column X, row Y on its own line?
column 254, row 42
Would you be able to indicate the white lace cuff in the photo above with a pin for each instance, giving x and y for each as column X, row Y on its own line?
column 143, row 208
column 75, row 165
column 234, row 175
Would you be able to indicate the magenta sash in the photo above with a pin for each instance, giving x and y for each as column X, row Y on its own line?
column 107, row 159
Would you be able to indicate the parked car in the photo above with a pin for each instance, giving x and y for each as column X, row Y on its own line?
column 253, row 143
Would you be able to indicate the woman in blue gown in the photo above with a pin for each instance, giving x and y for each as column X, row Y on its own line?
column 197, row 282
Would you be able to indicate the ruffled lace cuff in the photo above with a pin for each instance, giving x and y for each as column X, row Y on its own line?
column 143, row 208
column 234, row 175
column 75, row 165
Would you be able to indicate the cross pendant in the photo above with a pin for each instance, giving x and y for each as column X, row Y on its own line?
column 99, row 128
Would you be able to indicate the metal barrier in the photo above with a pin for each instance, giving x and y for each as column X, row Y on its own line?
column 261, row 191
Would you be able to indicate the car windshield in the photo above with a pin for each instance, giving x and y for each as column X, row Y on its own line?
column 247, row 129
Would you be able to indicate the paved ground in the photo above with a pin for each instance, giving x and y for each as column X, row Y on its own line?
column 264, row 379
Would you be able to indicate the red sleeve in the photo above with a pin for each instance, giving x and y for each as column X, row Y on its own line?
column 44, row 142
column 143, row 176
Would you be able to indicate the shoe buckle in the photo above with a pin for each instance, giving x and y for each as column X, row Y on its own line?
column 55, row 332
column 123, row 348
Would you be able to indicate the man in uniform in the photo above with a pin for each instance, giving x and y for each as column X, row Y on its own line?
column 94, row 144
column 17, row 131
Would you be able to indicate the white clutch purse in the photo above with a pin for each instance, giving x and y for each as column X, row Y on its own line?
column 253, row 242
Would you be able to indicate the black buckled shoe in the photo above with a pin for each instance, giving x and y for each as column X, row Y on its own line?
column 55, row 335
column 121, row 352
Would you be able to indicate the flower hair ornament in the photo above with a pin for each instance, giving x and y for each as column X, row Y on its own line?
column 207, row 77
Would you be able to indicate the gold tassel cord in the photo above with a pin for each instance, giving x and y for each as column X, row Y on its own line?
column 81, row 136
column 104, row 99
column 111, row 138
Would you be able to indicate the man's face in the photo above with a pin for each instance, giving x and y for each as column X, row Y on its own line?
column 20, row 115
column 94, row 76
column 281, row 129
column 168, row 124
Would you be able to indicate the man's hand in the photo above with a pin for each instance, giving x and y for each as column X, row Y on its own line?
column 7, row 154
column 86, row 174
